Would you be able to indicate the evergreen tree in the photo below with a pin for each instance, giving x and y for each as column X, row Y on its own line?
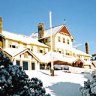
column 89, row 88
column 15, row 82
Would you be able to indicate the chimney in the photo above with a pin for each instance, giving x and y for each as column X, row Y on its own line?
column 87, row 47
column 0, row 24
column 40, row 30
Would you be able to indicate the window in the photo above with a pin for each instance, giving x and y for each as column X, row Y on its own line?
column 25, row 65
column 12, row 46
column 63, row 40
column 33, row 66
column 31, row 48
column 42, row 66
column 67, row 52
column 67, row 41
column 25, row 55
column 62, row 51
column 46, row 40
column 41, row 51
column 59, row 51
column 18, row 62
column 20, row 56
column 58, row 39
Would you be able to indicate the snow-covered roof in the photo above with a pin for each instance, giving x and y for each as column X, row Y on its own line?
column 15, row 51
column 40, row 57
column 48, row 33
column 77, row 51
column 22, row 38
column 74, row 50
column 57, row 56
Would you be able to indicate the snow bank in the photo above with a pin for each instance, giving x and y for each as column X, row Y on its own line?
column 62, row 84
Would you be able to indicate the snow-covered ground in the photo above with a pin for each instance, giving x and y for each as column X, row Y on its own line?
column 62, row 84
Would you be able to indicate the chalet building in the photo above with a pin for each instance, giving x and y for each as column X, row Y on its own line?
column 22, row 50
column 33, row 52
column 62, row 46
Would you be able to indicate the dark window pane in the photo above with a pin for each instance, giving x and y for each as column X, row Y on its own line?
column 42, row 66
column 17, row 62
column 33, row 66
column 25, row 65
column 41, row 51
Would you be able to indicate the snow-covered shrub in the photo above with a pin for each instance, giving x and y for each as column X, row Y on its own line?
column 15, row 82
column 89, row 88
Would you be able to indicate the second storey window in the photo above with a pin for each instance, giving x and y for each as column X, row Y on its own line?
column 63, row 40
column 13, row 46
column 31, row 48
column 41, row 51
column 59, row 39
column 67, row 41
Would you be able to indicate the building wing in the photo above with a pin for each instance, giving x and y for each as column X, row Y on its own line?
column 22, row 38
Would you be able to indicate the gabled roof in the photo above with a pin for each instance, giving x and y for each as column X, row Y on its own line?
column 14, row 52
column 56, row 29
column 22, row 38
column 58, row 57
column 65, row 31
column 47, row 33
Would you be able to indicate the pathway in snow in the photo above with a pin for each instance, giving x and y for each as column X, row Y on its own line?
column 62, row 84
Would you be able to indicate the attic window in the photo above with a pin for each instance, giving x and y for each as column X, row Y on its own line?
column 25, row 55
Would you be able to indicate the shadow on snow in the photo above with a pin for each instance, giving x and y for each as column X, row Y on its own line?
column 65, row 89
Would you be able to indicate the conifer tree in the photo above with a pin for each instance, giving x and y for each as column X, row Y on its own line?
column 15, row 82
column 89, row 88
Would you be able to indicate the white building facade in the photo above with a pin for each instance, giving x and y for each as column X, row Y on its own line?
column 30, row 51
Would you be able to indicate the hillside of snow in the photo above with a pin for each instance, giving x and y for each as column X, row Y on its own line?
column 62, row 84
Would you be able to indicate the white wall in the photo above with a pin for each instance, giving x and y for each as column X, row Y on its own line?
column 61, row 44
column 30, row 59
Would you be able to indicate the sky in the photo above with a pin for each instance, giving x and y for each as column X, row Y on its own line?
column 23, row 16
